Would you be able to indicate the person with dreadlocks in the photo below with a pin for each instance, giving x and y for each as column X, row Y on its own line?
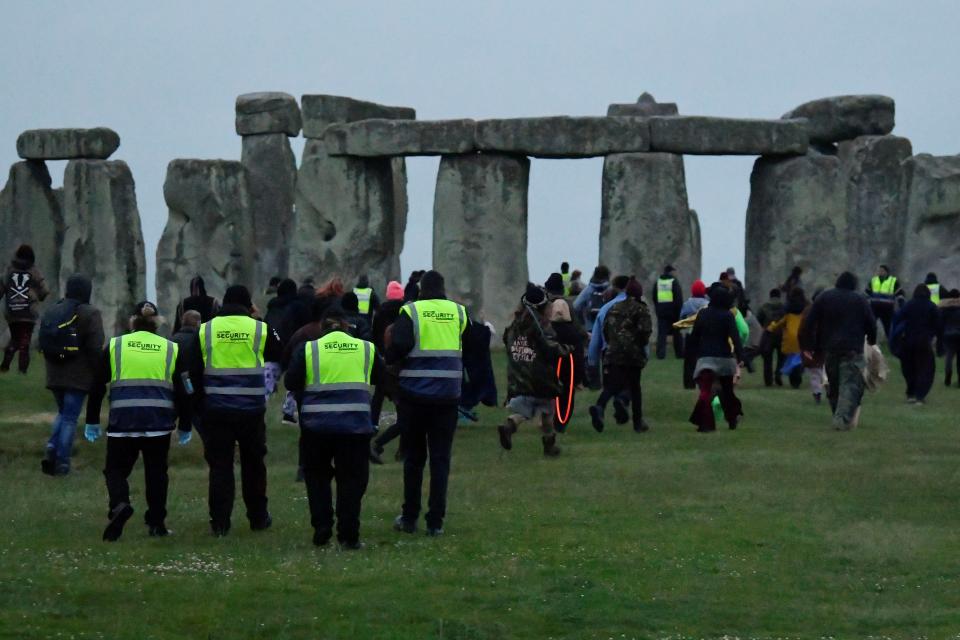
column 532, row 384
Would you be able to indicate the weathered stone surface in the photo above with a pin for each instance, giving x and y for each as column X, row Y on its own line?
column 701, row 135
column 645, row 106
column 209, row 231
column 379, row 137
column 320, row 111
column 932, row 238
column 797, row 215
column 645, row 221
column 876, row 205
column 267, row 112
column 351, row 214
column 102, row 237
column 271, row 182
column 563, row 136
column 846, row 117
column 480, row 232
column 66, row 144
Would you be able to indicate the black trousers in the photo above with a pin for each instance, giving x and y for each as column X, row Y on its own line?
column 345, row 457
column 429, row 430
column 387, row 435
column 624, row 382
column 122, row 454
column 884, row 311
column 665, row 328
column 769, row 374
column 951, row 347
column 220, row 437
column 919, row 367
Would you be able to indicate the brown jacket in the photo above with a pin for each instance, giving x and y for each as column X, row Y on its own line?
column 37, row 291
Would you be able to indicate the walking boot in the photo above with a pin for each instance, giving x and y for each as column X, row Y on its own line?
column 550, row 448
column 506, row 431
column 596, row 418
column 620, row 413
column 118, row 517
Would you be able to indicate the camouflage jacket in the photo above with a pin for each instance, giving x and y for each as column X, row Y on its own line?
column 627, row 330
column 532, row 354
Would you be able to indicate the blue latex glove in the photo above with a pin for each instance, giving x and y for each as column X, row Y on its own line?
column 185, row 437
column 91, row 432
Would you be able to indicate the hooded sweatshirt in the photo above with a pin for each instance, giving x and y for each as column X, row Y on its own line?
column 77, row 373
column 199, row 301
column 29, row 277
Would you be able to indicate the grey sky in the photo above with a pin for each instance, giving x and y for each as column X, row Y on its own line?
column 165, row 75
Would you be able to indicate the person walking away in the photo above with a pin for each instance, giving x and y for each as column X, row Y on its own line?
column 788, row 328
column 565, row 277
column 667, row 301
column 277, row 319
column 71, row 339
column 884, row 291
column 412, row 289
column 532, row 383
column 933, row 285
column 588, row 302
column 691, row 306
column 598, row 343
column 227, row 372
column 186, row 338
column 716, row 340
column 739, row 292
column 576, row 284
column 359, row 324
column 950, row 319
column 427, row 343
column 147, row 396
column 23, row 289
column 918, row 324
column 836, row 325
column 570, row 368
column 272, row 287
column 199, row 301
column 367, row 300
column 387, row 314
column 813, row 364
column 769, row 313
column 626, row 327
column 332, row 378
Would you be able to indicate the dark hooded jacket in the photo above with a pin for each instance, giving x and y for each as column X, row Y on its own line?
column 78, row 373
column 286, row 312
column 37, row 290
column 839, row 320
column 532, row 352
column 199, row 301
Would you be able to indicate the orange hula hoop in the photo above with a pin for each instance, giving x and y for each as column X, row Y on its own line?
column 566, row 416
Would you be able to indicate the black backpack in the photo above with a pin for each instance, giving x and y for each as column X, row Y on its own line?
column 60, row 332
column 596, row 301
column 17, row 291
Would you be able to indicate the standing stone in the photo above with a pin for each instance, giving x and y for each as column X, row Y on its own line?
column 67, row 144
column 480, row 232
column 267, row 112
column 646, row 222
column 932, row 238
column 271, row 182
column 350, row 217
column 209, row 231
column 645, row 106
column 876, row 205
column 797, row 215
column 845, row 117
column 102, row 237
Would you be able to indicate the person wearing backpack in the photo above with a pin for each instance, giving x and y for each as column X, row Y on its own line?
column 23, row 289
column 71, row 339
column 588, row 303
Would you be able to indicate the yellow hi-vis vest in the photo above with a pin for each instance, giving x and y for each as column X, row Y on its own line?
column 884, row 289
column 664, row 290
column 363, row 299
column 141, row 383
column 434, row 368
column 232, row 348
column 934, row 292
column 566, row 283
column 337, row 394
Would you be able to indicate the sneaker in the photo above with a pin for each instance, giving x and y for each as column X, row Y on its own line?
column 402, row 525
column 49, row 463
column 911, row 400
column 550, row 448
column 620, row 413
column 158, row 531
column 642, row 427
column 262, row 525
column 62, row 470
column 434, row 532
column 288, row 418
column 375, row 454
column 118, row 517
column 596, row 417
column 321, row 537
column 506, row 431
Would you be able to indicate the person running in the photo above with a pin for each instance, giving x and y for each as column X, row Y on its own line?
column 23, row 289
column 626, row 328
column 769, row 313
column 598, row 343
column 716, row 340
column 588, row 302
column 147, row 396
column 788, row 328
column 199, row 301
column 667, row 302
column 532, row 384
column 570, row 368
column 915, row 327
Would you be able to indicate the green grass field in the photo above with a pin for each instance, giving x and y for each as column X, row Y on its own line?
column 783, row 528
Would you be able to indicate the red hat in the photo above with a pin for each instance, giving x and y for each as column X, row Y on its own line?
column 394, row 290
column 698, row 289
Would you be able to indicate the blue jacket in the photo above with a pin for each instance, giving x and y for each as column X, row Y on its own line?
column 581, row 306
column 597, row 341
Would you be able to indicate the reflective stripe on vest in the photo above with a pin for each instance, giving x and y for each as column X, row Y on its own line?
column 884, row 289
column 934, row 292
column 336, row 398
column 434, row 368
column 141, row 383
column 664, row 290
column 232, row 348
column 363, row 299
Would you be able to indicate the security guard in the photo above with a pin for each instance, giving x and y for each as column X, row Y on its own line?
column 145, row 373
column 367, row 301
column 227, row 371
column 332, row 379
column 667, row 301
column 565, row 277
column 427, row 342
column 883, row 292
column 933, row 284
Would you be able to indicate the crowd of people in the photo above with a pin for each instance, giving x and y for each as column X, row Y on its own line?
column 341, row 352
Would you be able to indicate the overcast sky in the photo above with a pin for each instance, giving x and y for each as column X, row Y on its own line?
column 165, row 76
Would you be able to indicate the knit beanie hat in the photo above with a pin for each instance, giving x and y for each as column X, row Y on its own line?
column 554, row 284
column 698, row 289
column 238, row 294
column 535, row 296
column 394, row 290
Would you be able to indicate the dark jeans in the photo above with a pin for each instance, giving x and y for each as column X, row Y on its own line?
column 429, row 429
column 20, row 335
column 769, row 373
column 623, row 382
column 702, row 415
column 919, row 367
column 387, row 435
column 665, row 328
column 69, row 405
column 951, row 347
column 345, row 457
column 122, row 454
column 884, row 311
column 219, row 438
